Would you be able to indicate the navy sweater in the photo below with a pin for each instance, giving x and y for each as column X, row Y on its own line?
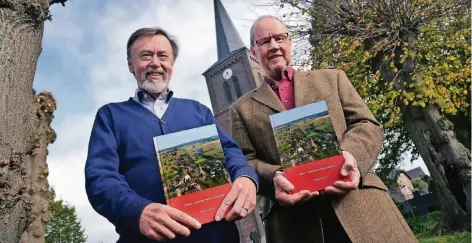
column 122, row 174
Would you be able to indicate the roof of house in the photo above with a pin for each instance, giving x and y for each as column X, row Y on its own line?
column 415, row 173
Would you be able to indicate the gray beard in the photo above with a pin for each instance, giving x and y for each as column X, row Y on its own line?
column 154, row 89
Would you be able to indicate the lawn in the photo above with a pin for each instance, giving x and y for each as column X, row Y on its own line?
column 464, row 237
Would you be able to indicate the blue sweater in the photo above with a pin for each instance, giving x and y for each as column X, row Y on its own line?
column 122, row 173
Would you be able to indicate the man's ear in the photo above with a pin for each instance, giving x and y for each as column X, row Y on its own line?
column 252, row 50
column 130, row 67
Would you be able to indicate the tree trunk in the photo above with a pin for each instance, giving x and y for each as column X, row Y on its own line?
column 448, row 162
column 38, row 189
column 21, row 32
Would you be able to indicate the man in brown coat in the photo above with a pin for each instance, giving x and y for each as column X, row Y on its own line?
column 356, row 211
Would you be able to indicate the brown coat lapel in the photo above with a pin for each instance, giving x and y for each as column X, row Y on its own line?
column 303, row 89
column 265, row 95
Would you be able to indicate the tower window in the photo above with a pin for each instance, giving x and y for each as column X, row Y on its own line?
column 227, row 91
column 237, row 87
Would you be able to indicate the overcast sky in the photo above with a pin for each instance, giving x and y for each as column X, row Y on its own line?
column 83, row 63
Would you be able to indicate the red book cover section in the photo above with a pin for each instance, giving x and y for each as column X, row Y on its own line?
column 193, row 171
column 308, row 147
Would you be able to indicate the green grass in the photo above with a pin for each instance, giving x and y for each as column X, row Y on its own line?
column 464, row 237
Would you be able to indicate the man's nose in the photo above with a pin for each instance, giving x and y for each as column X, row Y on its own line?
column 273, row 45
column 155, row 62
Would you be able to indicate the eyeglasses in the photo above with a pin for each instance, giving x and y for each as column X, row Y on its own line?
column 279, row 38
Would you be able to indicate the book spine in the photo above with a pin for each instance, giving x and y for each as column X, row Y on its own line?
column 228, row 178
column 161, row 171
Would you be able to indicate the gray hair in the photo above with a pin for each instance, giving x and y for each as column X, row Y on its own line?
column 149, row 32
column 252, row 42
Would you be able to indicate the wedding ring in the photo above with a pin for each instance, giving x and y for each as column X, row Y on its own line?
column 247, row 210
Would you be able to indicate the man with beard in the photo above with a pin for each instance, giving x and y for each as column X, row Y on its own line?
column 356, row 211
column 123, row 183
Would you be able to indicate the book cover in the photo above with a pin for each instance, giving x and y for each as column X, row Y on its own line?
column 308, row 147
column 193, row 171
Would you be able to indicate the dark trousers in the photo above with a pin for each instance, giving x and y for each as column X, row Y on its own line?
column 333, row 231
column 214, row 232
column 311, row 222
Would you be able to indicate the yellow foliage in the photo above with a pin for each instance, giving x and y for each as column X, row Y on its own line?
column 442, row 73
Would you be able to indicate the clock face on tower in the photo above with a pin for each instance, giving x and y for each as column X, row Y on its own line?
column 227, row 73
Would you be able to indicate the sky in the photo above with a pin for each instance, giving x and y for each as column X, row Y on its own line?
column 83, row 63
column 172, row 139
column 297, row 113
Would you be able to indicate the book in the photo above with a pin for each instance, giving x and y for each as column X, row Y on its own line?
column 308, row 147
column 192, row 166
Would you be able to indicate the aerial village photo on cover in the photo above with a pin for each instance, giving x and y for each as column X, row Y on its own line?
column 304, row 134
column 193, row 170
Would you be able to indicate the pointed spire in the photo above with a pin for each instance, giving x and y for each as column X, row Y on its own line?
column 227, row 38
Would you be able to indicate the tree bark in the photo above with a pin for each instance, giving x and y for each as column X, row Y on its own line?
column 448, row 162
column 38, row 189
column 447, row 159
column 21, row 126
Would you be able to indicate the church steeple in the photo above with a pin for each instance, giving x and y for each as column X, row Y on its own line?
column 236, row 71
column 227, row 38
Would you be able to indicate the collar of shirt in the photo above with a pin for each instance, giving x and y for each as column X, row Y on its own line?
column 157, row 106
column 142, row 96
column 287, row 75
column 283, row 88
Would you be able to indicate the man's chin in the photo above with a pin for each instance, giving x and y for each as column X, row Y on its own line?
column 277, row 69
column 155, row 80
column 154, row 87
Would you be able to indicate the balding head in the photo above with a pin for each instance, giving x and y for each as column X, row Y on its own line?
column 252, row 41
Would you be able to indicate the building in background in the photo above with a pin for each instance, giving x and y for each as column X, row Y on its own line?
column 236, row 71
column 404, row 188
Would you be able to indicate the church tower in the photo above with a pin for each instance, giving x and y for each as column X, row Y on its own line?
column 236, row 71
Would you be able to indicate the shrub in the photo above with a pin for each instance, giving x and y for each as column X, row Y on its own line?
column 424, row 223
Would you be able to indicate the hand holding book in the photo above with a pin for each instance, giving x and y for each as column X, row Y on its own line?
column 161, row 222
column 242, row 198
column 283, row 189
column 349, row 169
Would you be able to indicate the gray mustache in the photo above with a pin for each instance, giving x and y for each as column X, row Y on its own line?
column 155, row 70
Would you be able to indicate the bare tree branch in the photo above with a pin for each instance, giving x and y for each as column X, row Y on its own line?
column 62, row 2
column 371, row 21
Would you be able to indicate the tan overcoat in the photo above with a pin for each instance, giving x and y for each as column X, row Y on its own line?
column 367, row 214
